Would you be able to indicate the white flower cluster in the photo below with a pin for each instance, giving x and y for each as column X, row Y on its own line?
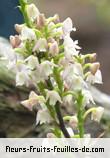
column 44, row 55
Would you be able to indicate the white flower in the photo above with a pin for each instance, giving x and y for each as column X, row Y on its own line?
column 97, row 114
column 73, row 69
column 73, row 122
column 73, row 76
column 34, row 99
column 35, row 76
column 97, row 78
column 55, row 31
column 18, row 27
column 54, row 49
column 46, row 69
column 32, row 62
column 70, row 47
column 22, row 72
column 43, row 116
column 41, row 45
column 87, row 97
column 42, row 71
column 27, row 34
column 53, row 97
column 7, row 54
column 68, row 100
column 22, row 78
column 32, row 11
column 75, row 83
column 68, row 26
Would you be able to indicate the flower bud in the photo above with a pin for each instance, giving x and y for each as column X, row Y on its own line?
column 97, row 114
column 73, row 122
column 54, row 49
column 93, row 57
column 41, row 45
column 32, row 11
column 94, row 67
column 41, row 21
column 18, row 28
column 50, row 135
column 56, row 18
column 15, row 41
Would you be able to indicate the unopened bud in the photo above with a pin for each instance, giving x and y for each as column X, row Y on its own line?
column 93, row 57
column 15, row 41
column 41, row 21
column 73, row 122
column 54, row 49
column 97, row 114
column 50, row 135
column 32, row 11
column 56, row 18
column 18, row 28
column 94, row 67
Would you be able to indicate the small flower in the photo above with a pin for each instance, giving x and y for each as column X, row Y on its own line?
column 33, row 100
column 68, row 26
column 73, row 122
column 87, row 97
column 97, row 114
column 19, row 28
column 53, row 97
column 70, row 47
column 43, row 116
column 32, row 11
column 67, row 100
column 46, row 69
column 97, row 78
column 55, row 32
column 56, row 18
column 41, row 45
column 93, row 57
column 54, row 49
column 15, row 41
column 73, row 69
column 32, row 62
column 73, row 76
column 40, row 21
column 94, row 67
column 22, row 72
column 27, row 34
column 22, row 78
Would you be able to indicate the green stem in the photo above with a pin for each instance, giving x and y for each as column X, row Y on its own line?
column 42, row 91
column 80, row 115
column 58, row 80
column 88, row 112
column 23, row 6
column 70, row 93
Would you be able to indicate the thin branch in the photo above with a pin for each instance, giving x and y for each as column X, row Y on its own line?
column 61, row 122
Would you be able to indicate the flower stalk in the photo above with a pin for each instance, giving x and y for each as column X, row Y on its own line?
column 44, row 56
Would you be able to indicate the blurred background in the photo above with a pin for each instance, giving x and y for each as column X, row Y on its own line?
column 92, row 20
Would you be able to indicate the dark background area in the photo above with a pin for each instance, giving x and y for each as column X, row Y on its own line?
column 9, row 15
